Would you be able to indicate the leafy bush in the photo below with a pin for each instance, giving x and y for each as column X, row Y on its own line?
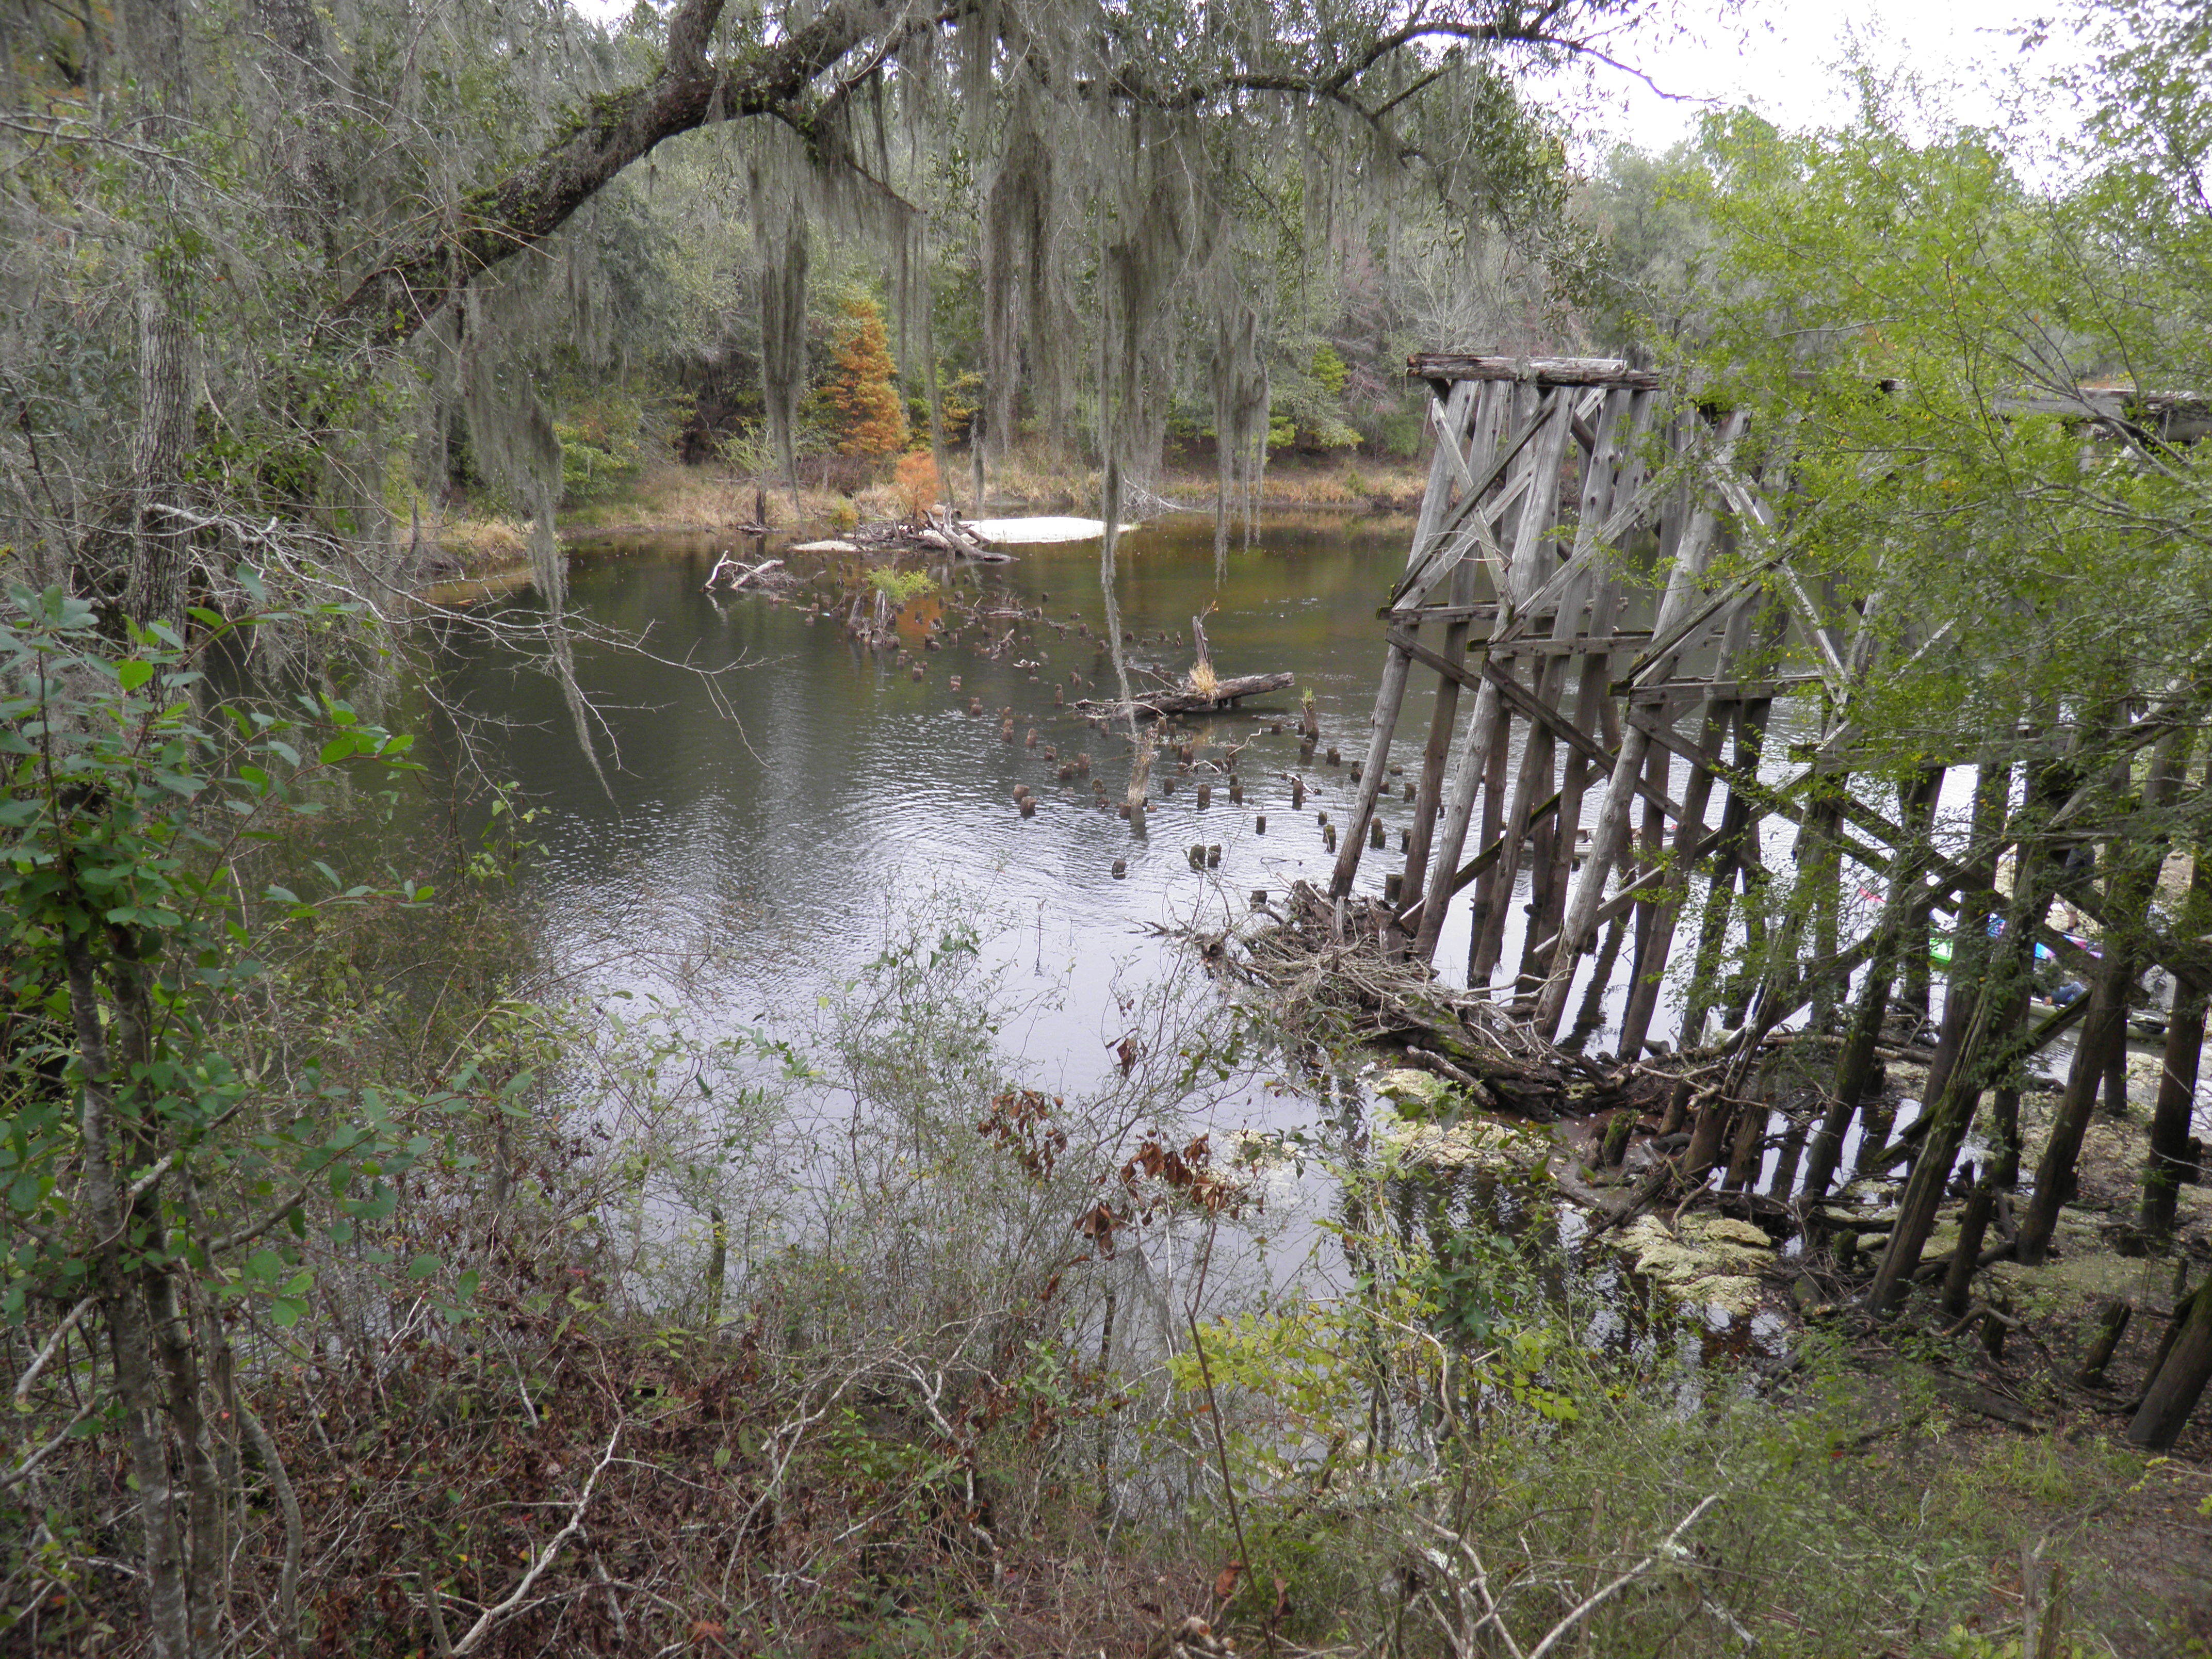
column 600, row 446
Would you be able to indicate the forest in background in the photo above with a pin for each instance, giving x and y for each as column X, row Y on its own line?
column 337, row 1307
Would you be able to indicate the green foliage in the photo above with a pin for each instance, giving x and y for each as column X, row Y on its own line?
column 1917, row 327
column 900, row 586
column 130, row 816
column 1329, row 369
column 601, row 448
column 1647, row 283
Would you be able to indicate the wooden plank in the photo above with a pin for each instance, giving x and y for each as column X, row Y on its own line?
column 1629, row 892
column 1655, row 940
column 1484, row 610
column 1476, row 867
column 1778, row 686
column 1587, row 598
column 1478, row 515
column 1435, row 497
column 1468, row 532
column 1765, row 799
column 1490, row 414
column 1580, row 645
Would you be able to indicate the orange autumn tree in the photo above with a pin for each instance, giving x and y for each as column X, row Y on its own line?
column 869, row 417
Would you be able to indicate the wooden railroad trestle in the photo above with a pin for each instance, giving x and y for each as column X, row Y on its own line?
column 1542, row 468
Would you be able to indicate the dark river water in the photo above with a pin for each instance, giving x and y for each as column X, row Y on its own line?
column 783, row 801
column 771, row 826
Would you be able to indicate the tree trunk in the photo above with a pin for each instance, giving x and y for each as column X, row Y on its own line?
column 2179, row 1382
column 2177, row 1104
column 107, row 1161
column 1983, row 1054
column 2105, row 1026
column 1738, row 827
column 2128, row 887
column 1947, row 1122
column 1973, row 1225
column 156, row 585
column 1855, row 1062
column 1917, row 812
column 2176, row 1080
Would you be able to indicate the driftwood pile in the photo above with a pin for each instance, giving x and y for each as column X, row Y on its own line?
column 1334, row 978
column 939, row 531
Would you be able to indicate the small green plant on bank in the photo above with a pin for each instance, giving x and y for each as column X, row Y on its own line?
column 901, row 587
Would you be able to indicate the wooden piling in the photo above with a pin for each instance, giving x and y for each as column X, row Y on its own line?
column 1676, row 607
column 1486, row 729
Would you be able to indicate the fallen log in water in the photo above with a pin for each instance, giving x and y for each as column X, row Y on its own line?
column 1181, row 700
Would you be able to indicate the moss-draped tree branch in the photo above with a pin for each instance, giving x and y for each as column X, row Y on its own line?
column 696, row 85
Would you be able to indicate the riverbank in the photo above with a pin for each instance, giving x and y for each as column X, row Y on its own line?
column 670, row 498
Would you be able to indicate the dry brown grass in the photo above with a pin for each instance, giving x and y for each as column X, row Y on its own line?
column 481, row 545
column 670, row 497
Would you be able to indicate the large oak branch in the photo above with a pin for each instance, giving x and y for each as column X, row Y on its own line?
column 608, row 133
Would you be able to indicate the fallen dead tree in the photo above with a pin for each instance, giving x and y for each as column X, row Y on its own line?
column 1183, row 699
column 769, row 574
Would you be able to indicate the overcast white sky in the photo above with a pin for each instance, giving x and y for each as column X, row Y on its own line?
column 1781, row 57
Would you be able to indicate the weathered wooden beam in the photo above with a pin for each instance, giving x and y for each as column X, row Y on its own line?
column 1428, row 558
column 1628, row 892
column 1616, row 473
column 1476, row 867
column 1689, row 567
column 1762, row 799
column 1437, row 496
column 1580, row 645
column 1726, row 690
column 1450, row 365
column 1482, row 611
column 1389, row 697
column 1491, row 411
